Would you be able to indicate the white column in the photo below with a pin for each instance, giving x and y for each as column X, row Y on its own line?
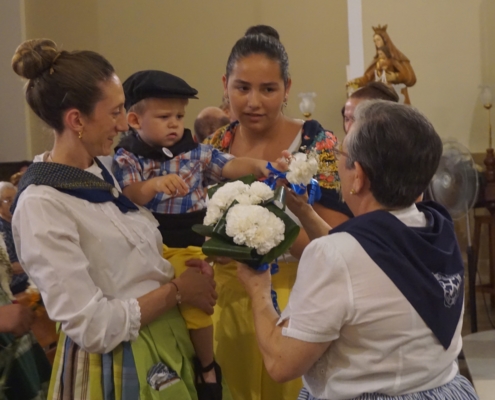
column 14, row 142
column 355, row 68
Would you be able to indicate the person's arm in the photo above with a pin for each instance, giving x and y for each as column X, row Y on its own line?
column 312, row 320
column 241, row 166
column 51, row 254
column 312, row 223
column 285, row 358
column 195, row 289
column 128, row 172
column 316, row 221
column 143, row 192
column 223, row 166
column 15, row 319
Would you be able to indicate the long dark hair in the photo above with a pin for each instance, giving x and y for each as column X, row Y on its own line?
column 260, row 44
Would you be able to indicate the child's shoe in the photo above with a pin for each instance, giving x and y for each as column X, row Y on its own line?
column 207, row 390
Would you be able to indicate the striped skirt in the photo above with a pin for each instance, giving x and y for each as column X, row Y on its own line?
column 458, row 388
column 124, row 373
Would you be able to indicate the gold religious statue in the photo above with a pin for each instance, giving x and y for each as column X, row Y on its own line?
column 389, row 66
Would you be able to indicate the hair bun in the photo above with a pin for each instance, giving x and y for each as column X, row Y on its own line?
column 33, row 57
column 263, row 30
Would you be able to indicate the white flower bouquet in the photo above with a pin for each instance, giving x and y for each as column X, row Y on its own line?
column 245, row 221
column 302, row 168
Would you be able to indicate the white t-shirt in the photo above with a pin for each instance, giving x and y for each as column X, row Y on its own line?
column 90, row 262
column 379, row 342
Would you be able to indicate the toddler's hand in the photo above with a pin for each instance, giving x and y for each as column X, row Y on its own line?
column 281, row 164
column 203, row 266
column 172, row 185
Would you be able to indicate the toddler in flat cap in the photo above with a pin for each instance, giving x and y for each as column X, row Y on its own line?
column 160, row 166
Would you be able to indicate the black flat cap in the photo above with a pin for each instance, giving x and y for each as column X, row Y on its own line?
column 150, row 83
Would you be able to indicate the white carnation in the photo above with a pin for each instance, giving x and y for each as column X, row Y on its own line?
column 260, row 192
column 222, row 199
column 255, row 226
column 244, row 194
column 302, row 168
column 244, row 198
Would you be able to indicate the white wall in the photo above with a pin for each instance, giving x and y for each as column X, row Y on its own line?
column 451, row 45
column 443, row 40
column 14, row 138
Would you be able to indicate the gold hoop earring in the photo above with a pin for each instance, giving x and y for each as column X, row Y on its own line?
column 80, row 135
column 352, row 191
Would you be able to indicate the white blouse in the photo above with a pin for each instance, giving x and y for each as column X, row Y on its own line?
column 90, row 262
column 379, row 343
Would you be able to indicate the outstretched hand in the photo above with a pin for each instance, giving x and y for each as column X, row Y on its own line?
column 280, row 164
column 204, row 267
column 298, row 204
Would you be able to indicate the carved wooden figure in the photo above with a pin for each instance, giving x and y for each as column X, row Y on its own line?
column 389, row 66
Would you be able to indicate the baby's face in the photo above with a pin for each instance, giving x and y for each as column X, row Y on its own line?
column 162, row 123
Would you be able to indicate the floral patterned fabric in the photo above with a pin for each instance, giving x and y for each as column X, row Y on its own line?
column 314, row 138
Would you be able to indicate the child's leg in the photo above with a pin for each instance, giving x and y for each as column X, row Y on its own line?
column 199, row 323
column 202, row 340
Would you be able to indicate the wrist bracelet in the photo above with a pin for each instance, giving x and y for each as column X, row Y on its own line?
column 178, row 296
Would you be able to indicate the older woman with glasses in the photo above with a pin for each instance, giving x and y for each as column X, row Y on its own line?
column 376, row 310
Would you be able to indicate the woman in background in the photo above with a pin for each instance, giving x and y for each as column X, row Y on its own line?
column 257, row 85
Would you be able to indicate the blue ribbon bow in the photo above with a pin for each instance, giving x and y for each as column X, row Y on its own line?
column 313, row 189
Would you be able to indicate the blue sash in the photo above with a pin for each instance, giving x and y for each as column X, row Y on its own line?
column 424, row 263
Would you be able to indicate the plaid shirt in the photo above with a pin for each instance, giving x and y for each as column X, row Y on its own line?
column 199, row 168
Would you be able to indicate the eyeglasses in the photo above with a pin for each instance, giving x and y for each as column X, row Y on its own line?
column 7, row 201
column 338, row 152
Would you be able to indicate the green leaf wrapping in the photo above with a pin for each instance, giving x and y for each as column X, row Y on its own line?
column 222, row 244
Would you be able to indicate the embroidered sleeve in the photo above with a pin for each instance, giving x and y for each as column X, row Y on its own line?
column 215, row 164
column 221, row 138
column 134, row 318
column 322, row 144
column 126, row 168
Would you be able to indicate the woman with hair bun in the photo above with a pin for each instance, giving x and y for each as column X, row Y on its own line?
column 257, row 84
column 93, row 254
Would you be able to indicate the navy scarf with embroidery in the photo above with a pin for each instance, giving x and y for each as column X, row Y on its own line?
column 424, row 263
column 76, row 182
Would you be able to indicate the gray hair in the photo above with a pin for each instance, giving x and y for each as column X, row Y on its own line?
column 6, row 185
column 398, row 149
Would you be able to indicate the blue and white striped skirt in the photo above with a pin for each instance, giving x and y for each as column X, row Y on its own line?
column 458, row 388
